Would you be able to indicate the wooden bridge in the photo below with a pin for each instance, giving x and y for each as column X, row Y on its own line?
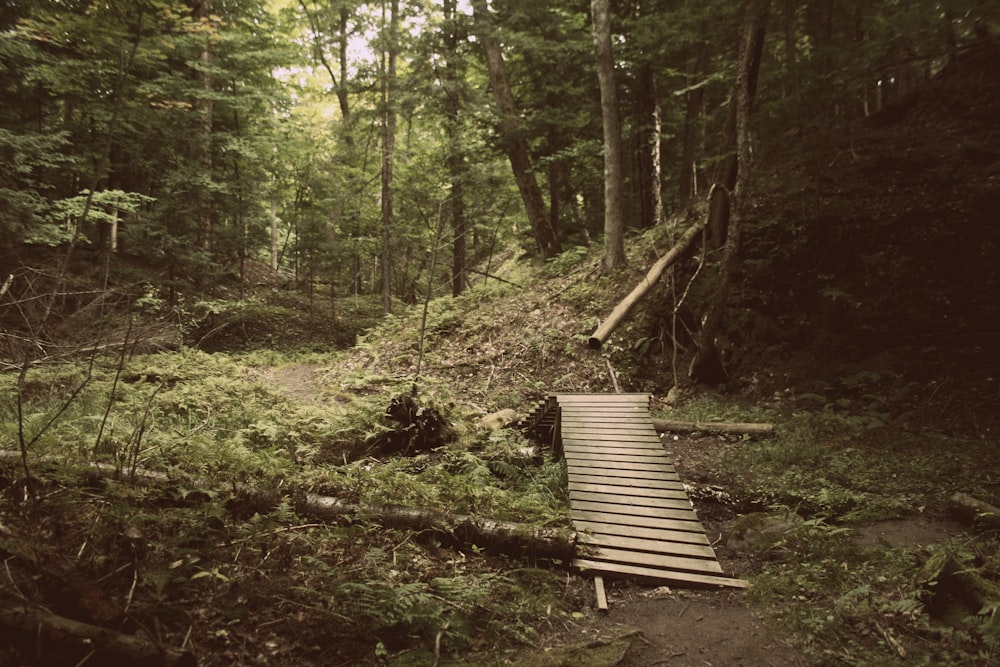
column 628, row 505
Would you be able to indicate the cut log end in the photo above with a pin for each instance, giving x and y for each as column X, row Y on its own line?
column 595, row 343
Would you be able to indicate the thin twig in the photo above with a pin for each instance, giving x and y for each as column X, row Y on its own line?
column 437, row 644
column 271, row 533
column 131, row 590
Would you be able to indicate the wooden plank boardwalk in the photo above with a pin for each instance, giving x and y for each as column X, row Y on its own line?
column 628, row 504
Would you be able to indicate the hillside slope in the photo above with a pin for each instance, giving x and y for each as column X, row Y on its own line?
column 869, row 268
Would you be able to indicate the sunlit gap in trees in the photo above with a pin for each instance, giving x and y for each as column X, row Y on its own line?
column 362, row 53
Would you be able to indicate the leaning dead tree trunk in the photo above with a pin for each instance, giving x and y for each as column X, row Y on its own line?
column 707, row 364
column 680, row 249
column 104, row 645
column 514, row 539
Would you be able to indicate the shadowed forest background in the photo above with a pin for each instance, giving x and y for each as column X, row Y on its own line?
column 233, row 232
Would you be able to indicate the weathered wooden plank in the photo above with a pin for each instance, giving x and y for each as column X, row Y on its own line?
column 610, row 435
column 667, row 508
column 592, row 422
column 594, row 515
column 602, row 428
column 616, row 486
column 615, row 456
column 642, row 532
column 604, row 442
column 602, row 596
column 611, row 440
column 571, row 431
column 607, row 410
column 653, row 560
column 630, row 408
column 644, row 448
column 633, row 477
column 626, row 427
column 664, row 576
column 652, row 470
column 653, row 546
column 644, row 399
column 619, row 459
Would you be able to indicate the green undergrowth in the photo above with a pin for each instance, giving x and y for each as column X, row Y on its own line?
column 842, row 465
column 849, row 603
column 216, row 550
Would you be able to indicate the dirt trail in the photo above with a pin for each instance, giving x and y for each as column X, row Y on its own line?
column 297, row 382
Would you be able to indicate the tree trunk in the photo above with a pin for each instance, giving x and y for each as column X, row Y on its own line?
column 707, row 364
column 341, row 86
column 614, row 205
column 514, row 539
column 388, row 90
column 456, row 155
column 728, row 168
column 688, row 181
column 339, row 82
column 671, row 426
column 274, row 229
column 205, row 107
column 645, row 184
column 791, row 49
column 974, row 512
column 656, row 152
column 513, row 139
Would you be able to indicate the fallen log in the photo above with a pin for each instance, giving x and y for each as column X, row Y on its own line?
column 107, row 646
column 514, row 539
column 670, row 426
column 974, row 512
column 683, row 245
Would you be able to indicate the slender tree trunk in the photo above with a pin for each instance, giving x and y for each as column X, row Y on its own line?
column 688, row 181
column 341, row 87
column 456, row 155
column 388, row 143
column 644, row 184
column 515, row 144
column 339, row 82
column 206, row 108
column 727, row 169
column 614, row 205
column 791, row 50
column 707, row 365
column 656, row 151
column 274, row 229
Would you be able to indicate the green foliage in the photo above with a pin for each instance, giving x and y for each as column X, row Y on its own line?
column 566, row 261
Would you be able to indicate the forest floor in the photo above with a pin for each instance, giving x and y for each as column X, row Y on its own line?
column 866, row 328
column 647, row 625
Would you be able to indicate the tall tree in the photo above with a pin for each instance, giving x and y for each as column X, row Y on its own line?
column 390, row 47
column 204, row 13
column 614, row 186
column 707, row 365
column 695, row 96
column 340, row 14
column 512, row 134
column 453, row 85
